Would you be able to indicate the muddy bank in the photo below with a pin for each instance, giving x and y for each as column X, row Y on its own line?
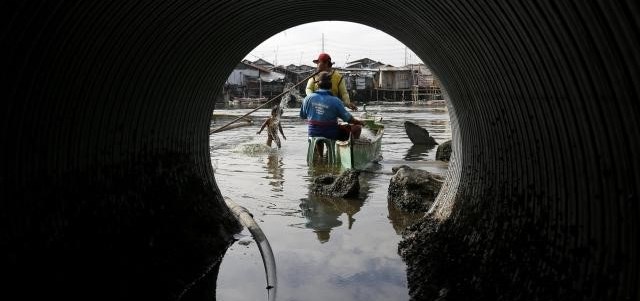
column 480, row 255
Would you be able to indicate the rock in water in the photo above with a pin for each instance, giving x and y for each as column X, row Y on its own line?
column 444, row 151
column 346, row 185
column 418, row 135
column 413, row 190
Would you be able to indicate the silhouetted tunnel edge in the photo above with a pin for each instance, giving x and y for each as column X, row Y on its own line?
column 106, row 150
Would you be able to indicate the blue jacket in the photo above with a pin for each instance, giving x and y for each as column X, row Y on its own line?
column 321, row 110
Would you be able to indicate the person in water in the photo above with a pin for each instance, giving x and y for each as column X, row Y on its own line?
column 273, row 126
column 338, row 86
column 321, row 110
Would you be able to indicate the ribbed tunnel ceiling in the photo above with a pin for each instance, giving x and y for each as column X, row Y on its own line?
column 105, row 101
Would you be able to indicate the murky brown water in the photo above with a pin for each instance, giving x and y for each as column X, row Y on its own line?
column 325, row 249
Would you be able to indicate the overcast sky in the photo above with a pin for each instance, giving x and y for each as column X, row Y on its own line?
column 344, row 41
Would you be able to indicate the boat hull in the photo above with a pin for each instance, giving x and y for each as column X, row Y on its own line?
column 358, row 153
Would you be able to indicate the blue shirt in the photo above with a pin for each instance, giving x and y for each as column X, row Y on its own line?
column 321, row 110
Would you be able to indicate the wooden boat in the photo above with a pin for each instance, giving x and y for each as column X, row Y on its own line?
column 358, row 153
column 350, row 154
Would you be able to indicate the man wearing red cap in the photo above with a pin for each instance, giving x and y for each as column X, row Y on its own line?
column 338, row 87
column 322, row 110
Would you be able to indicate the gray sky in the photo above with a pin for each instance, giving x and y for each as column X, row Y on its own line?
column 344, row 41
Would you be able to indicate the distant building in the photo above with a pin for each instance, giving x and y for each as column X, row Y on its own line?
column 365, row 79
column 359, row 83
column 300, row 69
column 262, row 63
column 365, row 63
column 411, row 82
column 248, row 80
column 426, row 85
column 394, row 78
column 373, row 80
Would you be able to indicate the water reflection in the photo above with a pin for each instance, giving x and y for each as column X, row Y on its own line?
column 323, row 213
column 439, row 122
column 437, row 126
column 367, row 177
column 401, row 219
column 275, row 171
column 418, row 152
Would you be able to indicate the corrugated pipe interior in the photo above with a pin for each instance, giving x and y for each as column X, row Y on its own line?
column 105, row 133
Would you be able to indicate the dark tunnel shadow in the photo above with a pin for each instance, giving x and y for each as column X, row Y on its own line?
column 108, row 191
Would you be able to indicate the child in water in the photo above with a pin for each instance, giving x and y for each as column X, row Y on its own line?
column 273, row 125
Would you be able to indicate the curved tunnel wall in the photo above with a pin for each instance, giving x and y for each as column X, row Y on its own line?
column 106, row 126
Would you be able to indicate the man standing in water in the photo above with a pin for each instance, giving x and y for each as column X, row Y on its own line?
column 321, row 110
column 338, row 86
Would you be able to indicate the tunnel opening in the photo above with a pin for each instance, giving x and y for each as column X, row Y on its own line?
column 274, row 181
column 107, row 112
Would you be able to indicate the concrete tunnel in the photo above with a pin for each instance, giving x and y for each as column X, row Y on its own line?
column 108, row 189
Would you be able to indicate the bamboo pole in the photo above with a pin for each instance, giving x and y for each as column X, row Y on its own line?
column 220, row 129
column 237, row 125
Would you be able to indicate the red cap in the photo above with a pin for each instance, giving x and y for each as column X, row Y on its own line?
column 323, row 57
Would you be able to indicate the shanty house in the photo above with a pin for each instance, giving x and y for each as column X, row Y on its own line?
column 249, row 80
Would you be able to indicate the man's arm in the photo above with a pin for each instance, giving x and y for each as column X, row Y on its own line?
column 341, row 111
column 303, row 108
column 263, row 125
column 355, row 120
